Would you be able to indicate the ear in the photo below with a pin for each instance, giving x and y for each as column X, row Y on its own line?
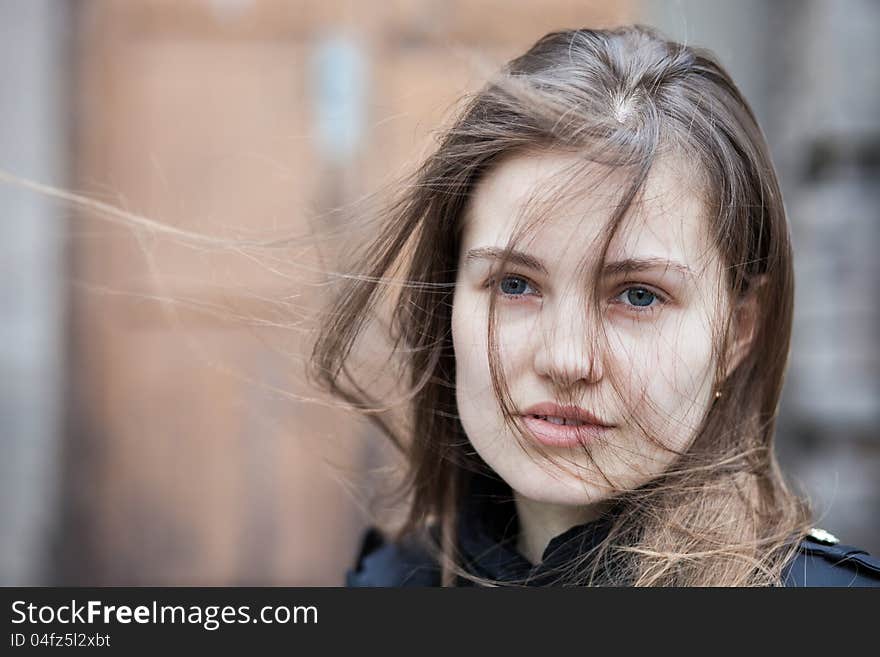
column 743, row 324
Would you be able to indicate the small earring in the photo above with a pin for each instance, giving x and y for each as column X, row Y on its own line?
column 717, row 394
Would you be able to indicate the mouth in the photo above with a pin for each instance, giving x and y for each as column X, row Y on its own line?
column 561, row 421
column 563, row 426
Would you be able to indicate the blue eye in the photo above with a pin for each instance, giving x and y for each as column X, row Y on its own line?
column 640, row 298
column 515, row 286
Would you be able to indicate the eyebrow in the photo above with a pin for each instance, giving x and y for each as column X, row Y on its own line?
column 632, row 265
column 616, row 268
column 511, row 255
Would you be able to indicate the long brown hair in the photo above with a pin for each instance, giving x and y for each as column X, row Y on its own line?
column 722, row 515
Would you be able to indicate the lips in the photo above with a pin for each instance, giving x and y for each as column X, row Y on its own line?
column 563, row 426
column 575, row 414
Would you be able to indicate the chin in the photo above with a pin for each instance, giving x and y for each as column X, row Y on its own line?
column 559, row 487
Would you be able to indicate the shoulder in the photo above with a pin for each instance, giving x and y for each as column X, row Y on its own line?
column 821, row 560
column 385, row 563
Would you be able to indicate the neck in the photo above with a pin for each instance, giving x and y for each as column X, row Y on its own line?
column 540, row 522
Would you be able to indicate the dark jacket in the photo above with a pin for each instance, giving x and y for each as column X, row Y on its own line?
column 488, row 527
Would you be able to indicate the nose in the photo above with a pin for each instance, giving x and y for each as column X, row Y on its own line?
column 566, row 349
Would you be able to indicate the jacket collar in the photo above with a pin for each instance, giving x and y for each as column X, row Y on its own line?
column 488, row 530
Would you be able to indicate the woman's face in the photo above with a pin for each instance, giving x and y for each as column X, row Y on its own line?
column 659, row 301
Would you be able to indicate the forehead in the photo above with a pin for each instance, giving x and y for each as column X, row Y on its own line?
column 567, row 204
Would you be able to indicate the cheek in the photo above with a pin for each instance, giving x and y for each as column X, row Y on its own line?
column 471, row 360
column 666, row 372
column 470, row 327
column 473, row 384
column 478, row 407
column 467, row 325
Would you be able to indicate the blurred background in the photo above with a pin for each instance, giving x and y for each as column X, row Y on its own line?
column 147, row 443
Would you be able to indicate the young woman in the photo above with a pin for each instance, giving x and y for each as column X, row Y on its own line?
column 594, row 325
